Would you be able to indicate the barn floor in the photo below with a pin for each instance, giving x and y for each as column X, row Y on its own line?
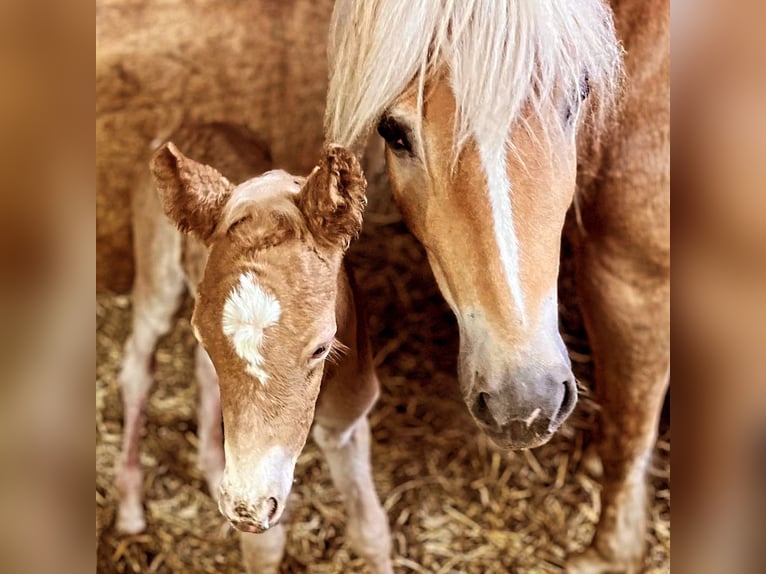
column 455, row 503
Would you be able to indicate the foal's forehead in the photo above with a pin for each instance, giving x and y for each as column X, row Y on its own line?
column 248, row 313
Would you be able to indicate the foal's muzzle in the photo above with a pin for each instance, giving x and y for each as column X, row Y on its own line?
column 253, row 494
column 251, row 515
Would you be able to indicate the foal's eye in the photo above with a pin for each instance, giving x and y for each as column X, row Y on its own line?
column 395, row 135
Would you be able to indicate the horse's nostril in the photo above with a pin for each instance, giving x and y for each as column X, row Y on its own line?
column 567, row 403
column 482, row 407
column 273, row 506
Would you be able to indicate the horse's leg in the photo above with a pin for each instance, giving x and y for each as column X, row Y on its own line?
column 625, row 297
column 628, row 324
column 262, row 553
column 157, row 289
column 348, row 455
column 623, row 270
column 210, row 456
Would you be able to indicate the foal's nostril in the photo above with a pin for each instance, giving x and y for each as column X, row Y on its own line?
column 241, row 510
column 263, row 513
column 273, row 506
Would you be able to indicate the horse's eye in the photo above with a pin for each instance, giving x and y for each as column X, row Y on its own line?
column 583, row 90
column 319, row 352
column 395, row 135
column 584, row 87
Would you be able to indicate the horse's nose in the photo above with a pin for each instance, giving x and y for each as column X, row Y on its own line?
column 525, row 411
column 250, row 515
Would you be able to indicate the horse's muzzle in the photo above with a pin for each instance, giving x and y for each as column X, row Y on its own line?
column 524, row 413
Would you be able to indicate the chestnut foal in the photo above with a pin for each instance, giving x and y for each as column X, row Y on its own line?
column 272, row 302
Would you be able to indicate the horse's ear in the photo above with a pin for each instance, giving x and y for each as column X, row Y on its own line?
column 192, row 194
column 333, row 197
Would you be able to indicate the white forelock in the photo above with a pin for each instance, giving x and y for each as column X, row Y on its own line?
column 269, row 190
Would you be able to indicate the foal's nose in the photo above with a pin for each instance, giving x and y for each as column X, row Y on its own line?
column 251, row 515
column 524, row 411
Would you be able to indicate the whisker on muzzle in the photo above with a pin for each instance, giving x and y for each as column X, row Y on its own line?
column 532, row 417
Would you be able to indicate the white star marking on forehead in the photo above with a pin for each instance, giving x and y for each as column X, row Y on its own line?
column 247, row 313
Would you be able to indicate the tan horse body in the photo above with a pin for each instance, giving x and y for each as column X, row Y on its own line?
column 264, row 261
column 259, row 65
column 487, row 114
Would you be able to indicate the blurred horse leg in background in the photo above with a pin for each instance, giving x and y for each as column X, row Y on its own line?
column 262, row 553
column 158, row 286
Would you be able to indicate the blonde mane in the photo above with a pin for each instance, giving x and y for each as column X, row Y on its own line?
column 504, row 58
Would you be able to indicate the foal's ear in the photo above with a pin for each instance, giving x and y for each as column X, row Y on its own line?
column 333, row 198
column 192, row 194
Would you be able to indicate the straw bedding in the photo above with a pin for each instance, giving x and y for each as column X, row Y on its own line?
column 455, row 503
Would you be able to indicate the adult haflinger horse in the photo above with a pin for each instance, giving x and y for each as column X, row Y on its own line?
column 272, row 303
column 487, row 107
